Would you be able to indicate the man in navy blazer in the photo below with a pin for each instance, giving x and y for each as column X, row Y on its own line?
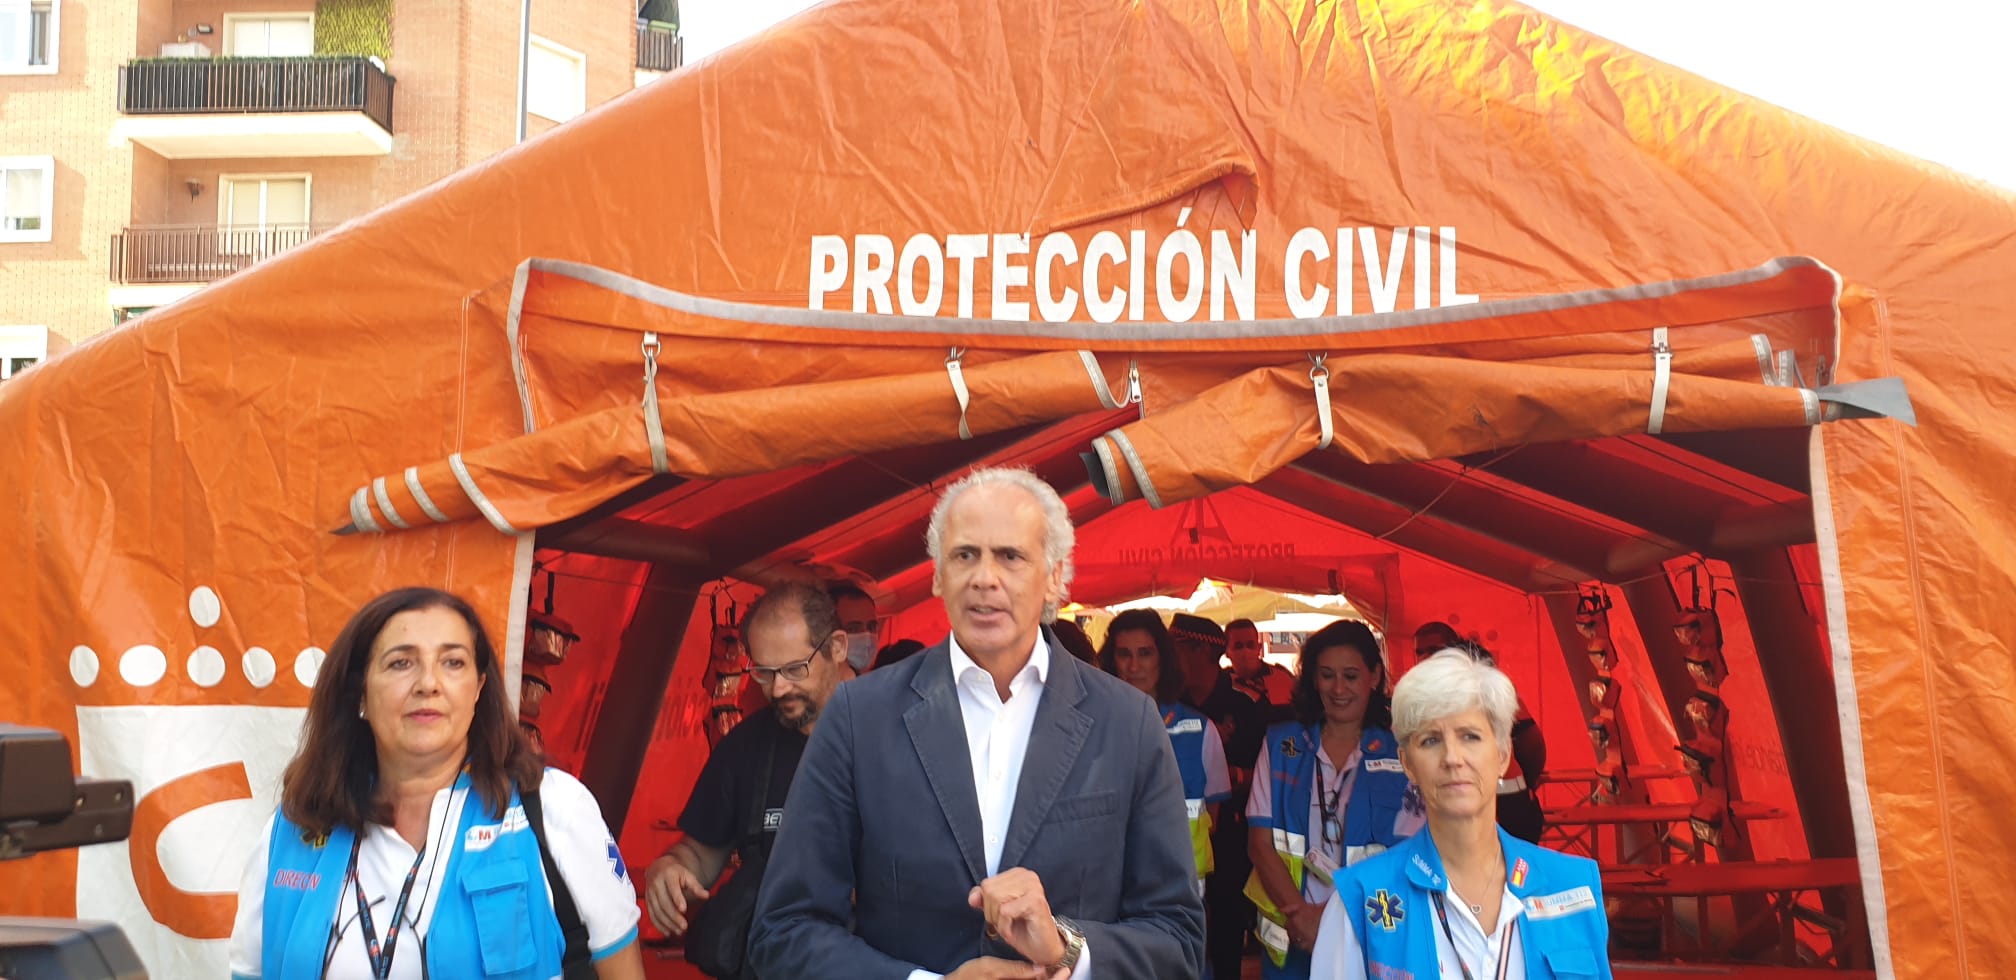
column 1069, row 857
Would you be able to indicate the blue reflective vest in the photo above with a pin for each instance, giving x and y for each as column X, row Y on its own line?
column 494, row 917
column 1188, row 729
column 1563, row 929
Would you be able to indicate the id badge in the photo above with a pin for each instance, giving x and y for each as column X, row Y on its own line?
column 1321, row 865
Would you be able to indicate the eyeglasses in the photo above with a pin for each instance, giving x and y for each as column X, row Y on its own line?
column 793, row 672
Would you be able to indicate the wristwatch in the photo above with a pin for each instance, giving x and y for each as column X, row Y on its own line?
column 1074, row 944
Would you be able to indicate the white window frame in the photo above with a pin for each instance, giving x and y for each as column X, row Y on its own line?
column 47, row 165
column 226, row 226
column 16, row 342
column 19, row 8
column 577, row 104
column 230, row 21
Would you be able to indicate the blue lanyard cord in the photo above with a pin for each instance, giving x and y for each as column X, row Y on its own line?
column 381, row 961
column 1504, row 948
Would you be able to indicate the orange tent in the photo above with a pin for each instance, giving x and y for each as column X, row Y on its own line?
column 1488, row 309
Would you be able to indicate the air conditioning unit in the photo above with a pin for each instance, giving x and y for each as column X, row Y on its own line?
column 185, row 49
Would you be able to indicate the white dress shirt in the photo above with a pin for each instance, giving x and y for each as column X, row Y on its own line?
column 997, row 740
column 1339, row 957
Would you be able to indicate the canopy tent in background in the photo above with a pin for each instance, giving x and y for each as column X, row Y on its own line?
column 1522, row 310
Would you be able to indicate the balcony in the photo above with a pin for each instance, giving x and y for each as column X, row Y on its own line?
column 215, row 108
column 659, row 46
column 198, row 253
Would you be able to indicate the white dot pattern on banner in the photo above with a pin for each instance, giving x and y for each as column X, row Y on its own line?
column 205, row 607
column 259, row 667
column 143, row 665
column 206, row 667
column 307, row 665
column 83, row 665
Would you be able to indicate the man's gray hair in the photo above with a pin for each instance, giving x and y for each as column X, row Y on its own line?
column 1059, row 538
column 1451, row 682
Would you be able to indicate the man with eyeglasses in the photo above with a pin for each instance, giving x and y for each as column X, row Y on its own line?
column 797, row 656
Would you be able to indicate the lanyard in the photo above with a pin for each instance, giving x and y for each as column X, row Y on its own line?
column 381, row 962
column 1504, row 946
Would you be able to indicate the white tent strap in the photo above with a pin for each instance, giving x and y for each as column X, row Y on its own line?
column 476, row 496
column 1099, row 385
column 385, row 504
column 958, row 377
column 360, row 512
column 654, row 427
column 1319, row 378
column 1134, row 464
column 420, row 496
column 1662, row 379
column 1788, row 370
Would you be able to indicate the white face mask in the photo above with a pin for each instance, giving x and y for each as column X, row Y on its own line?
column 860, row 650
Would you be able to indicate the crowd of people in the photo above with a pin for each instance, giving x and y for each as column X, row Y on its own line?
column 1007, row 802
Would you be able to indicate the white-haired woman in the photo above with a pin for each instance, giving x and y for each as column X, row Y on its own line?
column 1464, row 899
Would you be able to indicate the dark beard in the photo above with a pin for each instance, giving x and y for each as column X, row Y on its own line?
column 803, row 722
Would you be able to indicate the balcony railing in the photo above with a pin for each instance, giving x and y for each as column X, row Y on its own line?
column 659, row 49
column 182, row 86
column 199, row 253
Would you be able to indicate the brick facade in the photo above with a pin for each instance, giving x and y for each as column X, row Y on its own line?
column 456, row 65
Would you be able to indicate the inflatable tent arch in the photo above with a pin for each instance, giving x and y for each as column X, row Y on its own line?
column 174, row 482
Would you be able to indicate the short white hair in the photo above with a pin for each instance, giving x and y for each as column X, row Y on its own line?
column 1450, row 683
column 1059, row 537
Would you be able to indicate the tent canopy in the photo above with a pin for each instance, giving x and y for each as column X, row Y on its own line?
column 1575, row 315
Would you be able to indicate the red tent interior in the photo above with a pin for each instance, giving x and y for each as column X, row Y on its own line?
column 1502, row 545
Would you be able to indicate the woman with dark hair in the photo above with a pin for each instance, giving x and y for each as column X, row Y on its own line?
column 1139, row 651
column 1328, row 791
column 415, row 819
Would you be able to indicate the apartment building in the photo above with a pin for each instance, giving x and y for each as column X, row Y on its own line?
column 151, row 147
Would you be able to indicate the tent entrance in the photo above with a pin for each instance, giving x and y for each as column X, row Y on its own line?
column 1508, row 546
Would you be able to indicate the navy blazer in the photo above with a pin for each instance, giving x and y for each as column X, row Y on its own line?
column 883, row 809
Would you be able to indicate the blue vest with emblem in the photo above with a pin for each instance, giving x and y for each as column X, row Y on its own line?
column 1563, row 930
column 1376, row 796
column 494, row 917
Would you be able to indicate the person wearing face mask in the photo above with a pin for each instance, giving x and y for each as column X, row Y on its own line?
column 1466, row 898
column 863, row 624
column 1328, row 792
column 796, row 656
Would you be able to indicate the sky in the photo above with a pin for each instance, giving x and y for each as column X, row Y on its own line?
column 1932, row 78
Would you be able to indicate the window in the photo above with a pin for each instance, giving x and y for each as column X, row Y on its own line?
column 21, row 348
column 262, row 213
column 27, row 37
column 27, row 198
column 269, row 35
column 557, row 82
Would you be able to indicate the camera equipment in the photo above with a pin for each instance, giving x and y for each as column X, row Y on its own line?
column 45, row 807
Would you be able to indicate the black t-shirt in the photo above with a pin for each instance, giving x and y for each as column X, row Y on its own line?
column 718, row 813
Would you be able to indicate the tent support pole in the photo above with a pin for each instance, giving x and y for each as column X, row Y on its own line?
column 1799, row 677
column 636, row 692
